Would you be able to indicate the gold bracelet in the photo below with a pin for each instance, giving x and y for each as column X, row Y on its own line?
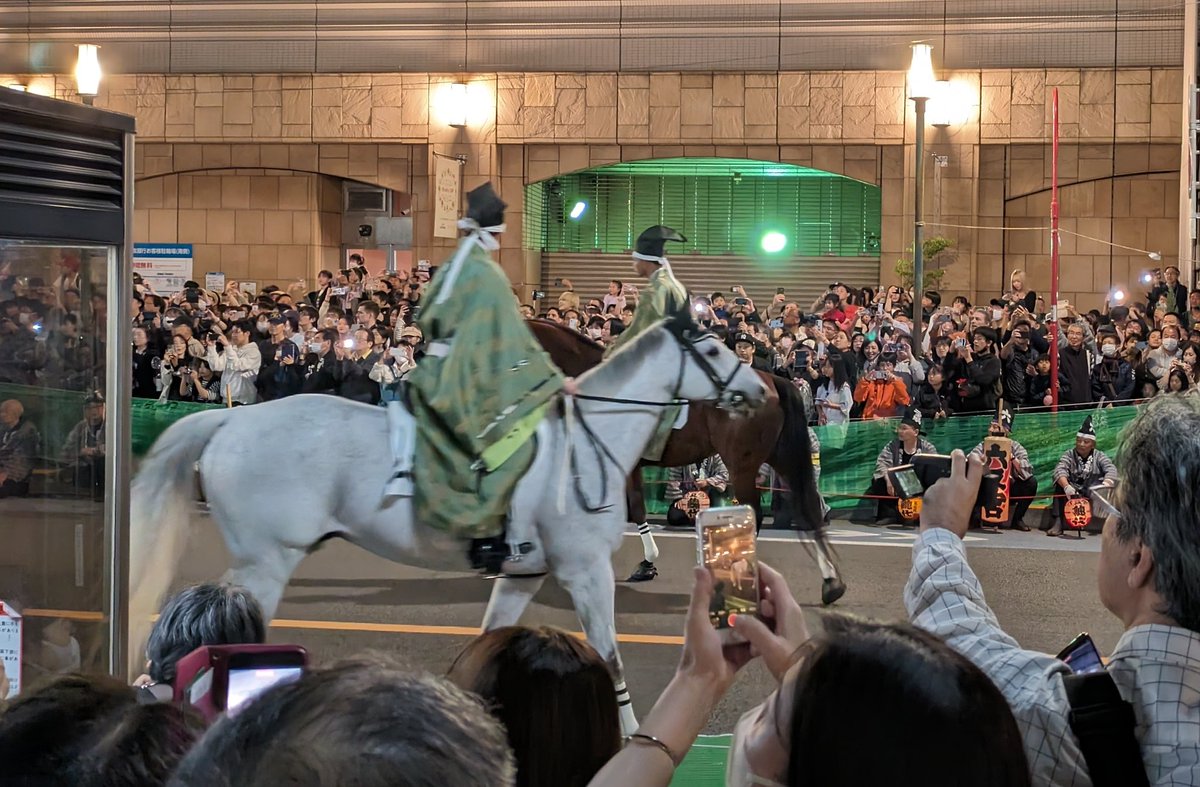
column 650, row 739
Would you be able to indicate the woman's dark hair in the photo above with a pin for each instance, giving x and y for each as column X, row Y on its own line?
column 840, row 375
column 1183, row 379
column 91, row 731
column 207, row 614
column 935, row 719
column 554, row 695
column 356, row 724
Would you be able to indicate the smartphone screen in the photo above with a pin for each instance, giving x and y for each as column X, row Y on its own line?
column 1082, row 656
column 906, row 481
column 780, row 291
column 727, row 549
column 246, row 684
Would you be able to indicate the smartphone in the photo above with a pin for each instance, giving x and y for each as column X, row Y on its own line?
column 726, row 545
column 889, row 347
column 801, row 359
column 348, row 344
column 1082, row 656
column 539, row 294
column 246, row 683
column 216, row 679
column 930, row 468
column 734, row 289
column 780, row 291
column 288, row 350
column 558, row 282
column 960, row 342
column 741, row 301
column 905, row 481
column 340, row 290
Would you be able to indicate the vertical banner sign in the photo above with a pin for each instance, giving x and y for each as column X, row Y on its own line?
column 10, row 652
column 446, row 199
column 164, row 266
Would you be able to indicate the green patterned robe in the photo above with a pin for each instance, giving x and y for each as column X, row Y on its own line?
column 662, row 298
column 478, row 406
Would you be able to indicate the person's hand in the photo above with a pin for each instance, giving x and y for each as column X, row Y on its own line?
column 701, row 483
column 779, row 629
column 142, row 680
column 566, row 283
column 223, row 339
column 703, row 653
column 1069, row 490
column 1047, row 400
column 1030, row 370
column 570, row 387
column 288, row 360
column 3, row 476
column 890, row 490
column 948, row 503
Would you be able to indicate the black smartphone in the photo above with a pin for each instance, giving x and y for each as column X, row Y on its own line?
column 905, row 481
column 930, row 468
column 800, row 360
column 288, row 349
column 1082, row 656
column 558, row 282
column 250, row 674
column 779, row 291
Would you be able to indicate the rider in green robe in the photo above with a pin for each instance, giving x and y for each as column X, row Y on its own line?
column 663, row 297
column 479, row 393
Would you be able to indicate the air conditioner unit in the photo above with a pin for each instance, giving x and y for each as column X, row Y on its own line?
column 360, row 198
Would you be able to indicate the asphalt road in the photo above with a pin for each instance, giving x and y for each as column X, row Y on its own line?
column 1042, row 590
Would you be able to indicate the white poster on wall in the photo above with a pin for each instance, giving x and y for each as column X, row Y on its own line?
column 214, row 281
column 447, row 197
column 248, row 287
column 10, row 651
column 164, row 266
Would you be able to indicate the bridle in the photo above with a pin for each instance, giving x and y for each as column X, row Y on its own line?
column 687, row 341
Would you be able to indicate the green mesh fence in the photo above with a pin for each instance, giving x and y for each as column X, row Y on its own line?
column 848, row 451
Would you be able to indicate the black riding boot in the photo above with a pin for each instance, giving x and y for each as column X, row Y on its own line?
column 487, row 554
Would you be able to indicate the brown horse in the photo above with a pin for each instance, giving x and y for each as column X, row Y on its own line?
column 776, row 434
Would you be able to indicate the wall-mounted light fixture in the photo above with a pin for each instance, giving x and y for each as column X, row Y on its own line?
column 87, row 72
column 455, row 110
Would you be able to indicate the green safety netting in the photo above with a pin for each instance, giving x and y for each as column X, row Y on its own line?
column 848, row 451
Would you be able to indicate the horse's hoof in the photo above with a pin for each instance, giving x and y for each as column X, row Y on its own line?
column 832, row 589
column 645, row 572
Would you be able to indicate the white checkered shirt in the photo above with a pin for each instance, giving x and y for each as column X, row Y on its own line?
column 1156, row 668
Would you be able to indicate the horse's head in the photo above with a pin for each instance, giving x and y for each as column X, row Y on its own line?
column 710, row 370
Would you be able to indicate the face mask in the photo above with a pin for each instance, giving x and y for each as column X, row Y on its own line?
column 1170, row 345
column 314, row 347
column 168, row 322
column 594, row 333
column 1109, row 350
column 737, row 772
column 262, row 327
column 23, row 318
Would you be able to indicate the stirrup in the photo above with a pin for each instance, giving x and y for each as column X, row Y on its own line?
column 523, row 561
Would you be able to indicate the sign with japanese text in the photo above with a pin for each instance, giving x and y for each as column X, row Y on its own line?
column 10, row 651
column 164, row 266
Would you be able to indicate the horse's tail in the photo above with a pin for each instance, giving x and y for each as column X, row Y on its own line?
column 793, row 454
column 159, row 519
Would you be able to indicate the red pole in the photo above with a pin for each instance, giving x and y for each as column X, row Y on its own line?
column 1054, row 255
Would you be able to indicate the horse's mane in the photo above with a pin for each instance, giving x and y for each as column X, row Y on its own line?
column 567, row 333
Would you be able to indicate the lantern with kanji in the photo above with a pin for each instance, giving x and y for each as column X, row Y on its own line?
column 1078, row 513
column 910, row 507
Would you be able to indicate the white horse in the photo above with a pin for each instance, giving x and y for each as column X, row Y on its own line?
column 237, row 459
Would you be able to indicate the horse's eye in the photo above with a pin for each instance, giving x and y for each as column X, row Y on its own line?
column 712, row 352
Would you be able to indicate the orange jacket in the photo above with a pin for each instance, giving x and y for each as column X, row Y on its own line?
column 881, row 398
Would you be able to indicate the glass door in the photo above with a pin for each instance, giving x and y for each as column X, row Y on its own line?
column 56, row 454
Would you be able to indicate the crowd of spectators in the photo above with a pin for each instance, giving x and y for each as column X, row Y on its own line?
column 945, row 698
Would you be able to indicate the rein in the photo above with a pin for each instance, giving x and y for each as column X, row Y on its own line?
column 600, row 449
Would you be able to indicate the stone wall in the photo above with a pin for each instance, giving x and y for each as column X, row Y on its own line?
column 385, row 128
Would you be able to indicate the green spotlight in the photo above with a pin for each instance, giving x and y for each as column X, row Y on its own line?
column 577, row 211
column 773, row 242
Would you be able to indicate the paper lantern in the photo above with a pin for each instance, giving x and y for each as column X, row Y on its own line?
column 910, row 507
column 1078, row 513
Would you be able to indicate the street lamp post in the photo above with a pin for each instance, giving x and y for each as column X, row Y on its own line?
column 920, row 88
